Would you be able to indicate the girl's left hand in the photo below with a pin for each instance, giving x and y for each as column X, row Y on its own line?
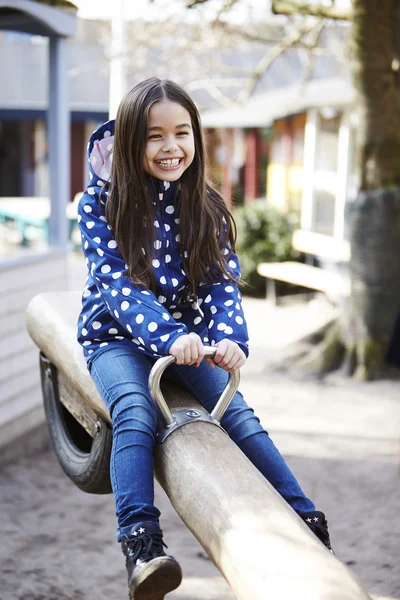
column 228, row 356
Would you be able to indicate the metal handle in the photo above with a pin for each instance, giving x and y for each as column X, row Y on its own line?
column 154, row 386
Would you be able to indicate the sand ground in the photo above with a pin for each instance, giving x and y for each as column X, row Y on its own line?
column 341, row 440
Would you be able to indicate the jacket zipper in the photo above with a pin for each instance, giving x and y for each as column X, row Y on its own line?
column 164, row 237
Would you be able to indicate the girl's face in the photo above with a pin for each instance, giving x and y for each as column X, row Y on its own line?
column 170, row 144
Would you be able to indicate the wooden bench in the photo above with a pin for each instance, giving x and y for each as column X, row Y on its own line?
column 331, row 277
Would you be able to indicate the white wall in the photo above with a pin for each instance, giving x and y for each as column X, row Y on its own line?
column 20, row 393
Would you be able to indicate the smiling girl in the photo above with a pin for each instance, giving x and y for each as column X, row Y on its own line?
column 162, row 279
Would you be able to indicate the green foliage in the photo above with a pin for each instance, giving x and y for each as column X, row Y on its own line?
column 264, row 235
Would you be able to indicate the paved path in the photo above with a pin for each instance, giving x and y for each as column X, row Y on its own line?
column 340, row 439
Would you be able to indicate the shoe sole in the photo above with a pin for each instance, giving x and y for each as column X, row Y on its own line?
column 157, row 578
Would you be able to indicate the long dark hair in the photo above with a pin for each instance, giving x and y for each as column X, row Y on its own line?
column 206, row 225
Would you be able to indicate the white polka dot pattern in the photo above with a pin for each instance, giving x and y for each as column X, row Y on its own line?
column 222, row 307
column 114, row 310
column 128, row 306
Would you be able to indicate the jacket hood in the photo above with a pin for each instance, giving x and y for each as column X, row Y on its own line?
column 100, row 153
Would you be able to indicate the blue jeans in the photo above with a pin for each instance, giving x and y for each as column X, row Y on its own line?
column 121, row 378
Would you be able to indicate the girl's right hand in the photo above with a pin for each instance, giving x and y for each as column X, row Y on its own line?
column 188, row 350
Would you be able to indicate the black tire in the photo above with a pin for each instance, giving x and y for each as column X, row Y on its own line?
column 85, row 460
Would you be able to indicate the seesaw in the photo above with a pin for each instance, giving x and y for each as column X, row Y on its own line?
column 258, row 543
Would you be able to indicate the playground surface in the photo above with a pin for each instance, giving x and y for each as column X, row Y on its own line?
column 340, row 438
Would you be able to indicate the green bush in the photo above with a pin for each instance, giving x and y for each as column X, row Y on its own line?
column 264, row 234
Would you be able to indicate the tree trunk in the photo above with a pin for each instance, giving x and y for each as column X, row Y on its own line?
column 374, row 217
column 363, row 333
column 375, row 273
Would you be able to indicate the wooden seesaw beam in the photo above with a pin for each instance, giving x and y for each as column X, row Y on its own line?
column 259, row 544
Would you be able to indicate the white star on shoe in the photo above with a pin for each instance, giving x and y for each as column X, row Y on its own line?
column 142, row 529
column 135, row 533
column 309, row 520
column 315, row 518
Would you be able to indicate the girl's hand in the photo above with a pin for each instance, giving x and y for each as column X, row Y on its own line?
column 188, row 350
column 229, row 356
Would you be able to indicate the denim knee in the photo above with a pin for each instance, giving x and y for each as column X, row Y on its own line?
column 134, row 413
column 240, row 422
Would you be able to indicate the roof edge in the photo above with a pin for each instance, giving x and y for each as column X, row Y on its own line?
column 57, row 21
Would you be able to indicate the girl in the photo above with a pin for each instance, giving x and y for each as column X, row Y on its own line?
column 162, row 279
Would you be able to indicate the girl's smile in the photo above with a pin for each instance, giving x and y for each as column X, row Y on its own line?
column 170, row 143
column 169, row 164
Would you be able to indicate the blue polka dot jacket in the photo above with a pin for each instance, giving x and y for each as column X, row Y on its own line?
column 114, row 310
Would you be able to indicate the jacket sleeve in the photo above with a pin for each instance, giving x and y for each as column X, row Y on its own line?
column 221, row 304
column 136, row 309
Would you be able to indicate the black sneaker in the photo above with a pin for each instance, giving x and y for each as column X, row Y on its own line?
column 151, row 572
column 318, row 524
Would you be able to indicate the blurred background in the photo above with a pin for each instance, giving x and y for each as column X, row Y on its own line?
column 277, row 103
column 261, row 82
column 301, row 112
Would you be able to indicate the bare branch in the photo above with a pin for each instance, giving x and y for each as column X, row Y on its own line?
column 225, row 8
column 311, row 56
column 290, row 7
column 246, row 34
column 214, row 92
column 209, row 85
column 269, row 58
column 227, row 69
column 264, row 39
column 191, row 3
